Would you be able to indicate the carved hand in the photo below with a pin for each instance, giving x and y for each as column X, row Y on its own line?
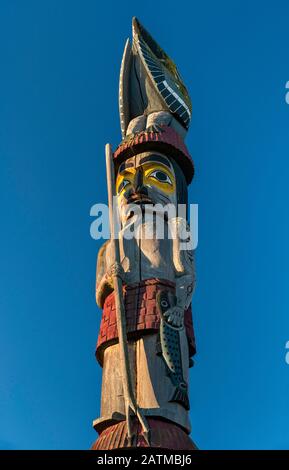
column 114, row 270
column 175, row 316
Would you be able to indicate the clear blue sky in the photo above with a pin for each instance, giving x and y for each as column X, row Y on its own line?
column 59, row 64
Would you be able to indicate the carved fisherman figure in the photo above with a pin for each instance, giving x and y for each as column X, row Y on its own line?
column 146, row 338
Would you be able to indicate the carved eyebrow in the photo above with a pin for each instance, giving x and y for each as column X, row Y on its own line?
column 124, row 166
column 149, row 158
column 156, row 158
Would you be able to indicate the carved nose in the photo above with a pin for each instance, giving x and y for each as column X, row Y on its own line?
column 138, row 184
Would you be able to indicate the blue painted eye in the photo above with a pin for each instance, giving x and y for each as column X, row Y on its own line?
column 122, row 185
column 161, row 176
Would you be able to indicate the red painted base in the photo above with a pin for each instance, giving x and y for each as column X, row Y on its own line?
column 164, row 435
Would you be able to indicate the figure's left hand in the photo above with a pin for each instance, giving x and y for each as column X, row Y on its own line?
column 175, row 316
column 114, row 270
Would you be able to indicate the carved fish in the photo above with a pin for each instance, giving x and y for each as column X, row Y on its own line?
column 169, row 347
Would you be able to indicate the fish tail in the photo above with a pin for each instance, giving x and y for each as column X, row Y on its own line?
column 181, row 396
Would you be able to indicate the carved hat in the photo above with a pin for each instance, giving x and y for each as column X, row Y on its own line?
column 154, row 105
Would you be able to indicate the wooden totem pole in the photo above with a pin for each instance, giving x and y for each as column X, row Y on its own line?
column 145, row 278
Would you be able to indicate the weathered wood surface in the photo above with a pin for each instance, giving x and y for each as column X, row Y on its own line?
column 153, row 166
column 152, row 387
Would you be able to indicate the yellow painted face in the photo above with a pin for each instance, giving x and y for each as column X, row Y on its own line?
column 155, row 175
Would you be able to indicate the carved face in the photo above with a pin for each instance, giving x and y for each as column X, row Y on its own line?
column 147, row 178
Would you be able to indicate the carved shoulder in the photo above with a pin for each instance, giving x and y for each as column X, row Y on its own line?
column 183, row 255
column 103, row 286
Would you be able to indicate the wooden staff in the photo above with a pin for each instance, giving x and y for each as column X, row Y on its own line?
column 129, row 398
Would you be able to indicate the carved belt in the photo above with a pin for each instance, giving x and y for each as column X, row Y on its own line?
column 142, row 315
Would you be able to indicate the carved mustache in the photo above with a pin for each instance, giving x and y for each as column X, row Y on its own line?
column 138, row 195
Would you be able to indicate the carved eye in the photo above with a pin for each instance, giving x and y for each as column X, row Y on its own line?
column 161, row 176
column 122, row 185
